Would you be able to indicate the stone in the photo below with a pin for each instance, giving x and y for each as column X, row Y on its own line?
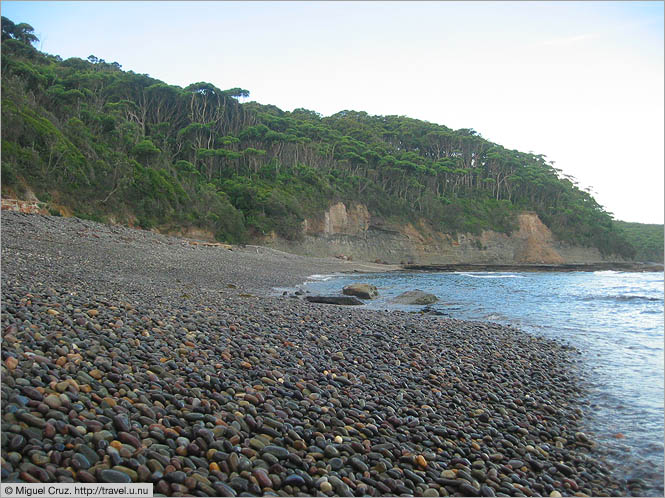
column 223, row 489
column 363, row 291
column 32, row 420
column 277, row 451
column 79, row 461
column 110, row 475
column 358, row 464
column 330, row 451
column 121, row 422
column 96, row 374
column 293, row 480
column 343, row 300
column 53, row 401
column 33, row 393
column 40, row 458
column 262, row 478
column 415, row 297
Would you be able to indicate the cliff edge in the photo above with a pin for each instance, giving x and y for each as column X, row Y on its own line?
column 351, row 232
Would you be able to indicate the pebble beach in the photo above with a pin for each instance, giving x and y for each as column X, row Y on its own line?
column 130, row 356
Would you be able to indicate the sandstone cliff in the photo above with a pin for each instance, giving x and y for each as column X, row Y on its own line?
column 351, row 231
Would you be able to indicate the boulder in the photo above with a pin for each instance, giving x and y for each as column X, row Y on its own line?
column 415, row 297
column 346, row 300
column 363, row 291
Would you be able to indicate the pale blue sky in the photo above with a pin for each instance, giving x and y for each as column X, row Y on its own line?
column 580, row 82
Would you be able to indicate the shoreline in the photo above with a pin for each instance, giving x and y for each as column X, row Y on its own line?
column 588, row 267
column 133, row 356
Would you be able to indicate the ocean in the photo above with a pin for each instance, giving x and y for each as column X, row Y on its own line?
column 615, row 320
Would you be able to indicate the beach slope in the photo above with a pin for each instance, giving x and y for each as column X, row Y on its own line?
column 129, row 356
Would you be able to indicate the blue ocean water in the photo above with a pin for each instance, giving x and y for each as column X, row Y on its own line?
column 615, row 319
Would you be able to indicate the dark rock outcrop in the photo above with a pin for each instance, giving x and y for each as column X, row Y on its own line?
column 345, row 300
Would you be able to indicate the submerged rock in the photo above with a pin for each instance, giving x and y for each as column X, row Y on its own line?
column 415, row 297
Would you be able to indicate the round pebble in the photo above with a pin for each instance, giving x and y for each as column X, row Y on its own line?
column 169, row 362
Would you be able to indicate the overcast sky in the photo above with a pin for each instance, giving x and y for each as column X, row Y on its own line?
column 580, row 82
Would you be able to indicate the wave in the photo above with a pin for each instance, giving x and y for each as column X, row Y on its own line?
column 622, row 297
column 496, row 317
column 321, row 278
column 493, row 275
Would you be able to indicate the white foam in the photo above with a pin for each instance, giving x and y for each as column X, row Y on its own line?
column 497, row 275
column 320, row 278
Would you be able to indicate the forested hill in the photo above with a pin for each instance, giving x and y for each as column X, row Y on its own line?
column 648, row 240
column 112, row 144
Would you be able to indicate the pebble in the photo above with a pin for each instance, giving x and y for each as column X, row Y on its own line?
column 53, row 401
column 221, row 394
column 330, row 451
column 262, row 478
column 79, row 461
column 294, row 480
column 278, row 451
column 110, row 475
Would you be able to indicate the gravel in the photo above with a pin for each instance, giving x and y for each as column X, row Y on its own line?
column 129, row 356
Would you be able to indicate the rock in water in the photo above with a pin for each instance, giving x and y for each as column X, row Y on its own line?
column 347, row 300
column 415, row 297
column 363, row 291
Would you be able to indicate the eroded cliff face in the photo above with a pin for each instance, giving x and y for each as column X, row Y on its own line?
column 339, row 220
column 352, row 232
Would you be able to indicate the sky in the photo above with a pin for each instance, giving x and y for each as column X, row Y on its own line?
column 579, row 82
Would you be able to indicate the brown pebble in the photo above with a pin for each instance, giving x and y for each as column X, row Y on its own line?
column 96, row 374
column 49, row 431
column 85, row 476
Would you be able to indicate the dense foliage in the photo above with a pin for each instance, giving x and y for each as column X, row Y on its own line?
column 106, row 142
column 648, row 240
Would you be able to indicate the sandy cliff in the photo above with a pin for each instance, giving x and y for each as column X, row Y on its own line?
column 351, row 231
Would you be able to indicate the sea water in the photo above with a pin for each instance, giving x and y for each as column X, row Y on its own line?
column 615, row 319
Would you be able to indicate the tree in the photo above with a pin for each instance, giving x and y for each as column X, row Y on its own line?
column 22, row 32
column 125, row 144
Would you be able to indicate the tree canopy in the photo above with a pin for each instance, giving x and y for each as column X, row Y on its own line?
column 112, row 143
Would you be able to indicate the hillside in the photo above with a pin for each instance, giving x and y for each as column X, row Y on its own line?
column 647, row 239
column 93, row 140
